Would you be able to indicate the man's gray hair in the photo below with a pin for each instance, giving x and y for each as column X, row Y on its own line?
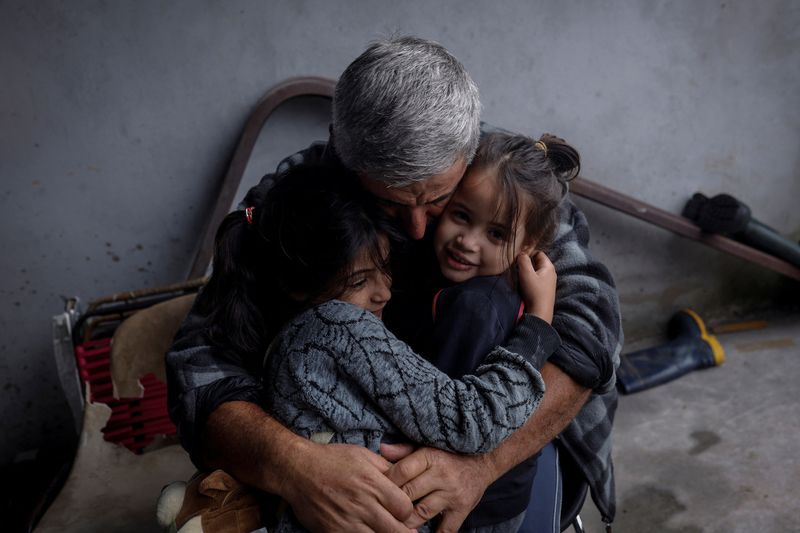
column 404, row 110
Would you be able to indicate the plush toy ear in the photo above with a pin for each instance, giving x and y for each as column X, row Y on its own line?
column 169, row 504
column 217, row 481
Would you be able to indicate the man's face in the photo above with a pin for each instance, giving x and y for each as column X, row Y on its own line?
column 420, row 203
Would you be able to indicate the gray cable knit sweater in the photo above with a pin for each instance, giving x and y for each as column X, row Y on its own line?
column 337, row 369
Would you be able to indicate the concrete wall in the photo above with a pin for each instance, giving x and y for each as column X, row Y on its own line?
column 117, row 119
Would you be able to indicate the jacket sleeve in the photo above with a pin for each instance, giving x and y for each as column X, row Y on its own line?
column 342, row 363
column 586, row 315
column 201, row 377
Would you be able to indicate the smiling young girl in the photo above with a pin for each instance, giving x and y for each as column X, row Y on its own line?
column 506, row 205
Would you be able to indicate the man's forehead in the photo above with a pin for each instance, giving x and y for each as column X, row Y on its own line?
column 421, row 192
column 412, row 195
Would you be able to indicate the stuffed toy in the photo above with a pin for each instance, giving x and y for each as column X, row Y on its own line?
column 209, row 503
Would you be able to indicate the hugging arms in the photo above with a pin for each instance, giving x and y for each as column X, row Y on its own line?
column 252, row 449
column 215, row 394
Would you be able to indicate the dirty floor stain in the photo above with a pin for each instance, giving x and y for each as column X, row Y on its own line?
column 703, row 441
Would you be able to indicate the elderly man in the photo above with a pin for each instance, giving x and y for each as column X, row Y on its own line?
column 406, row 120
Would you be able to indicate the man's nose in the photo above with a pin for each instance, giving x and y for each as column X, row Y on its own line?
column 415, row 219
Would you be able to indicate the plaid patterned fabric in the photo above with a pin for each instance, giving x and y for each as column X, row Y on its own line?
column 201, row 377
column 588, row 320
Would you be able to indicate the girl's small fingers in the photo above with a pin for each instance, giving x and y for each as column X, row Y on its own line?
column 525, row 266
column 541, row 261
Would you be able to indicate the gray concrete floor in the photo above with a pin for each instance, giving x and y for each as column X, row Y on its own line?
column 714, row 451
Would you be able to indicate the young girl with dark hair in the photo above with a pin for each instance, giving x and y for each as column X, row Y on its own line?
column 302, row 274
column 507, row 204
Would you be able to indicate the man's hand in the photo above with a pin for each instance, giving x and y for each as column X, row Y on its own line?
column 442, row 482
column 344, row 488
column 537, row 283
column 330, row 487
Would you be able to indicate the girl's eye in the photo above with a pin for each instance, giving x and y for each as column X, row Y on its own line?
column 497, row 235
column 461, row 216
column 358, row 283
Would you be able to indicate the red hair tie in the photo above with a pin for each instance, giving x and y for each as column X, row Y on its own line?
column 248, row 213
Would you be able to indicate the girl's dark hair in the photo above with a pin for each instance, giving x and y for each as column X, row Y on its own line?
column 306, row 232
column 539, row 168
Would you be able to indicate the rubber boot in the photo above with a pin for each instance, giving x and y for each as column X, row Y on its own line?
column 690, row 347
column 726, row 215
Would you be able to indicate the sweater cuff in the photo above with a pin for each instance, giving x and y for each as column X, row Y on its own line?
column 534, row 339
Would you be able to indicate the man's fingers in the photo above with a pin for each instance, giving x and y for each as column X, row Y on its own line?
column 451, row 522
column 394, row 500
column 384, row 522
column 379, row 462
column 422, row 485
column 409, row 467
column 450, row 484
column 347, row 490
column 395, row 452
column 390, row 495
column 427, row 508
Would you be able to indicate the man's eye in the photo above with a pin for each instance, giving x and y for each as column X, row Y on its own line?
column 385, row 203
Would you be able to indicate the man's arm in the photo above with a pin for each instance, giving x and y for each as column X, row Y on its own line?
column 212, row 400
column 454, row 484
column 334, row 487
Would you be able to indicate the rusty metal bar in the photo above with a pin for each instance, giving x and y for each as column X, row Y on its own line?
column 184, row 286
column 679, row 225
column 272, row 99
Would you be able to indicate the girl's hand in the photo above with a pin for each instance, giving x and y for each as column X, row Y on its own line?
column 537, row 283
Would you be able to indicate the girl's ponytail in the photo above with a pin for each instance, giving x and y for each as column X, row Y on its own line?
column 233, row 301
column 563, row 159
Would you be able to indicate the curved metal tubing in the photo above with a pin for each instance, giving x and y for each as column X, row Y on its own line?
column 272, row 99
